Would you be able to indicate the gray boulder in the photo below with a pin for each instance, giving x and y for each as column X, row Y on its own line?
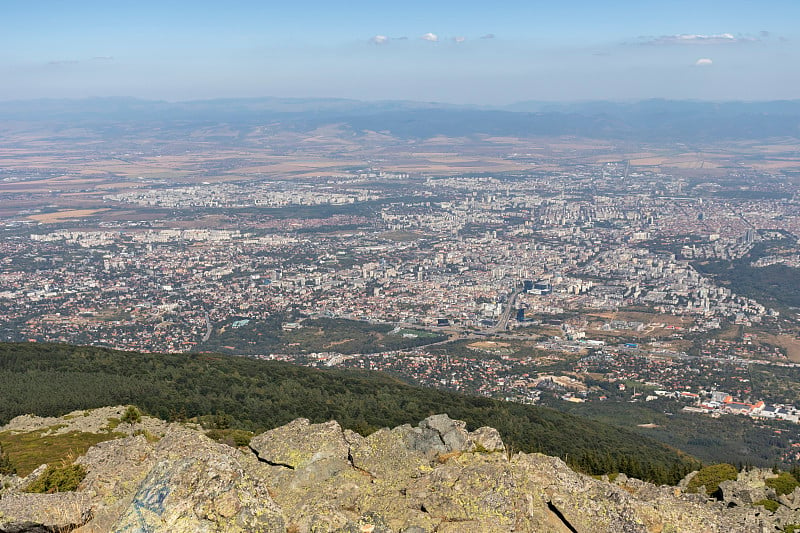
column 439, row 434
column 63, row 511
column 300, row 443
column 741, row 493
column 199, row 485
column 791, row 501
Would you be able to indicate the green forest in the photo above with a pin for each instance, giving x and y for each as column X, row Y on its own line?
column 314, row 335
column 728, row 439
column 54, row 379
column 776, row 285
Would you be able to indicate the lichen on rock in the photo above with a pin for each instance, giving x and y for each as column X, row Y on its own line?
column 436, row 476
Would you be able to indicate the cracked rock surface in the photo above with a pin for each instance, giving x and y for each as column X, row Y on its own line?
column 303, row 477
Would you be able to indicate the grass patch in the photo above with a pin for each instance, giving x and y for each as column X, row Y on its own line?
column 150, row 437
column 58, row 479
column 785, row 483
column 711, row 476
column 232, row 437
column 769, row 505
column 421, row 333
column 26, row 451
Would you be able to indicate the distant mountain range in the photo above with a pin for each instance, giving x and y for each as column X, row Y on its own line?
column 648, row 120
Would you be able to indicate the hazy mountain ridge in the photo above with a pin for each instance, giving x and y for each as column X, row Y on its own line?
column 648, row 120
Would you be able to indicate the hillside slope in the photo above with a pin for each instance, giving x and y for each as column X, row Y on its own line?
column 50, row 380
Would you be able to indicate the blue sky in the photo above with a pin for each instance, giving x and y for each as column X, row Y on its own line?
column 460, row 52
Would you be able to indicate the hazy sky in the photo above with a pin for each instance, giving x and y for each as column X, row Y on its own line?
column 436, row 50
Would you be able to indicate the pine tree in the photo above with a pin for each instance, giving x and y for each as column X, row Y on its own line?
column 131, row 416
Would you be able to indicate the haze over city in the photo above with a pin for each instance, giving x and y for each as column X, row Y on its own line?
column 457, row 52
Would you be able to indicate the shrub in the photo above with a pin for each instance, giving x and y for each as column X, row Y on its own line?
column 131, row 416
column 711, row 476
column 785, row 483
column 769, row 505
column 150, row 437
column 113, row 423
column 232, row 437
column 58, row 479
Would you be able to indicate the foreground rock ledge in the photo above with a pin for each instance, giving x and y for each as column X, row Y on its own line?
column 305, row 477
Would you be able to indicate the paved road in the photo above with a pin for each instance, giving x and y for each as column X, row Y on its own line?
column 502, row 324
column 208, row 329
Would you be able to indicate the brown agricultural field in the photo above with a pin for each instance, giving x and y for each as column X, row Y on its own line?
column 60, row 216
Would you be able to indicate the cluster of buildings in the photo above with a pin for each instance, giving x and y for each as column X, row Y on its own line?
column 717, row 402
column 238, row 195
column 472, row 255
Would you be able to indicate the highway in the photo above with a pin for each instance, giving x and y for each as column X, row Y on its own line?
column 502, row 323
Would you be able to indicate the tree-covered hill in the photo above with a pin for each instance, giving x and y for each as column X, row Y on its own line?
column 53, row 379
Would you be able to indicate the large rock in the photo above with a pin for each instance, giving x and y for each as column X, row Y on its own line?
column 199, row 485
column 49, row 512
column 305, row 477
column 309, row 453
column 487, row 439
column 116, row 467
column 300, row 443
column 439, row 434
column 791, row 501
column 388, row 455
column 735, row 492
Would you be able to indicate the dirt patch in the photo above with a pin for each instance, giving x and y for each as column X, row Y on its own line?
column 788, row 342
column 337, row 343
column 488, row 345
column 60, row 216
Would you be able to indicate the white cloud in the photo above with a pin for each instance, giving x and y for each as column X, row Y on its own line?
column 432, row 37
column 459, row 39
column 696, row 38
column 379, row 39
column 703, row 62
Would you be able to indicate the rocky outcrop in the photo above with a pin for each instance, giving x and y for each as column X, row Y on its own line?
column 58, row 512
column 303, row 477
column 104, row 419
column 198, row 485
column 750, row 489
column 791, row 501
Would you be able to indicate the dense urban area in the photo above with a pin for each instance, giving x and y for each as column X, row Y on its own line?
column 587, row 284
